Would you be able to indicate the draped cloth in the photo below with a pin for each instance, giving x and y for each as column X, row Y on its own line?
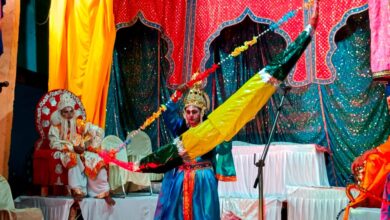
column 6, row 201
column 81, row 41
column 379, row 12
column 191, row 26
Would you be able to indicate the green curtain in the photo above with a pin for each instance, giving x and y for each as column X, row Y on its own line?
column 138, row 83
column 355, row 106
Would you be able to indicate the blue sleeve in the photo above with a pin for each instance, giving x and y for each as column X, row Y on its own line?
column 172, row 118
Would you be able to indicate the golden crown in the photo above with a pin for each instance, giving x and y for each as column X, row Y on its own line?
column 197, row 97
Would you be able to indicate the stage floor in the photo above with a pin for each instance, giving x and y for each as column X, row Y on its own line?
column 139, row 207
column 303, row 203
column 304, row 195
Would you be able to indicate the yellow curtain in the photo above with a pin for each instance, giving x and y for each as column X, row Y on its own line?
column 81, row 41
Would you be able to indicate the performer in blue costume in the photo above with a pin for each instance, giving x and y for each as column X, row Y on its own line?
column 190, row 191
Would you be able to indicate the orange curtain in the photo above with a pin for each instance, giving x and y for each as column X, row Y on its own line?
column 81, row 41
column 9, row 26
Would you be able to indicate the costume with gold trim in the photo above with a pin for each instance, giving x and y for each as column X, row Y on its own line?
column 93, row 163
column 86, row 169
column 185, row 188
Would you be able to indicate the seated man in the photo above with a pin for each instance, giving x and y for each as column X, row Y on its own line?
column 78, row 141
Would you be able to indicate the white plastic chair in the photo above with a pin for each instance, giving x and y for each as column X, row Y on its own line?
column 117, row 175
column 139, row 147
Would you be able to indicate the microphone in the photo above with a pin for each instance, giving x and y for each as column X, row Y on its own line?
column 3, row 84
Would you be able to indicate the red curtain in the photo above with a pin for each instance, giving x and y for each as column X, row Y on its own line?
column 191, row 26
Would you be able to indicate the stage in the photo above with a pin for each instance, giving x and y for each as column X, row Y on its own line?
column 295, row 187
column 139, row 207
column 304, row 203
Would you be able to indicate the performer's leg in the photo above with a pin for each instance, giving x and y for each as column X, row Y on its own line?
column 99, row 187
column 77, row 180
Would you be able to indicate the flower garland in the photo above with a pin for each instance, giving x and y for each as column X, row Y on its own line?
column 154, row 116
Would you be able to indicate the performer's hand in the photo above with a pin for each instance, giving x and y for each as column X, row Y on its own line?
column 184, row 155
column 78, row 149
column 182, row 88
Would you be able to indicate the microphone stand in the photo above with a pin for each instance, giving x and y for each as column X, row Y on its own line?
column 260, row 163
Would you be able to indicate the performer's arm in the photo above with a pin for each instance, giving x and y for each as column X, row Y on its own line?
column 55, row 141
column 94, row 134
column 172, row 118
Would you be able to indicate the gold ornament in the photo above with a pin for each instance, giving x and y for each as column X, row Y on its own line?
column 197, row 97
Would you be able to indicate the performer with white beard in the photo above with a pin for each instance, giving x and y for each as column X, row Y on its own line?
column 78, row 142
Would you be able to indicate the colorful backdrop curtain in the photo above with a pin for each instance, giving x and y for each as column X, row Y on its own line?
column 192, row 25
column 348, row 116
column 81, row 40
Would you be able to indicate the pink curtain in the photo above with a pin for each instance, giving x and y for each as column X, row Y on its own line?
column 379, row 12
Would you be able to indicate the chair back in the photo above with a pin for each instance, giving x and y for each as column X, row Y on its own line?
column 117, row 175
column 46, row 106
column 139, row 147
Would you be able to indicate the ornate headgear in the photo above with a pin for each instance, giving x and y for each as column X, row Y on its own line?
column 66, row 100
column 197, row 97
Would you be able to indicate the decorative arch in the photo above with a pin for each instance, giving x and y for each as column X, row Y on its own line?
column 332, row 35
column 246, row 13
column 156, row 26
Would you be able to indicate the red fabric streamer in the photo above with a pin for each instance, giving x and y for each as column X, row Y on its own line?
column 108, row 157
column 202, row 75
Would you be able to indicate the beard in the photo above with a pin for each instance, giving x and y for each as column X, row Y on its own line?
column 68, row 128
